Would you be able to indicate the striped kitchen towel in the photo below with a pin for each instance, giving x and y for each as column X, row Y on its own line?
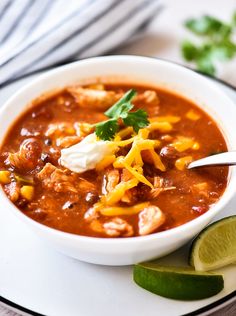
column 36, row 34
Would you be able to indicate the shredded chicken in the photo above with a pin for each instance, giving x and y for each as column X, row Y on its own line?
column 159, row 186
column 148, row 96
column 85, row 186
column 83, row 129
column 57, row 130
column 28, row 155
column 60, row 180
column 13, row 191
column 110, row 180
column 126, row 175
column 91, row 214
column 201, row 189
column 68, row 141
column 99, row 99
column 150, row 219
column 131, row 196
column 97, row 226
column 56, row 179
column 118, row 227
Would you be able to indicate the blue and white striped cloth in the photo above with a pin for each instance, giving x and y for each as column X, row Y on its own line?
column 39, row 33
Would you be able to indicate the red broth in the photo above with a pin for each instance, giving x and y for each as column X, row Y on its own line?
column 50, row 194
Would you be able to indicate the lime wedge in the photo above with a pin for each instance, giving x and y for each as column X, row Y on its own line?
column 215, row 246
column 177, row 283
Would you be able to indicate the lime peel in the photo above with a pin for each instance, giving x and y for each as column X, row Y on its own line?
column 215, row 246
column 177, row 283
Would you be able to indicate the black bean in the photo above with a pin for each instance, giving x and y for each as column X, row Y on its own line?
column 169, row 152
column 48, row 142
column 39, row 214
column 91, row 197
column 68, row 205
column 45, row 157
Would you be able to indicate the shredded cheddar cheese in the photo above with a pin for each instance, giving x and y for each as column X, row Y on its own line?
column 124, row 133
column 105, row 162
column 117, row 211
column 115, row 196
column 133, row 161
column 123, row 143
column 157, row 160
column 137, row 174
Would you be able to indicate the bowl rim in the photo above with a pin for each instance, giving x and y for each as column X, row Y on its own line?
column 206, row 217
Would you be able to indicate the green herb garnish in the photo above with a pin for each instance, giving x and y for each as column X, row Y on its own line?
column 217, row 42
column 121, row 110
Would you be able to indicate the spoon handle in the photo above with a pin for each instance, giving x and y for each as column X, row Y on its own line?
column 223, row 159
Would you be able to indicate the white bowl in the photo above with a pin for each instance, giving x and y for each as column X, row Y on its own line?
column 125, row 251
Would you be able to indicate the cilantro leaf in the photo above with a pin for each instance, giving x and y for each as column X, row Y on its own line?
column 189, row 50
column 122, row 105
column 136, row 119
column 206, row 25
column 216, row 44
column 120, row 110
column 106, row 130
column 206, row 65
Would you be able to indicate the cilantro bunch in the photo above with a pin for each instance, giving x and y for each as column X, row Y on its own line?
column 217, row 42
column 121, row 110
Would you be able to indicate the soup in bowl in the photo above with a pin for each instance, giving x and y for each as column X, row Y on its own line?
column 99, row 166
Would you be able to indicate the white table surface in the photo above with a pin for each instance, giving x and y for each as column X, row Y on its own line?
column 163, row 38
column 166, row 31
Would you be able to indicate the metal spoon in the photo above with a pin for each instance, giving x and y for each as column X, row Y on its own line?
column 223, row 159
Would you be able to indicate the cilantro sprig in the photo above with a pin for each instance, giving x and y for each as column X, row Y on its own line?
column 216, row 42
column 121, row 110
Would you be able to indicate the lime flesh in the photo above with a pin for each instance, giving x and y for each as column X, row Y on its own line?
column 177, row 283
column 215, row 246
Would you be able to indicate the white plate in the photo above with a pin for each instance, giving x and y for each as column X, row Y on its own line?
column 36, row 279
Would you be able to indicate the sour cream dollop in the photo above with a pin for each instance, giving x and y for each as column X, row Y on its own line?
column 86, row 154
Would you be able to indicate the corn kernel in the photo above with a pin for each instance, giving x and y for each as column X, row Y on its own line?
column 183, row 143
column 181, row 163
column 161, row 126
column 167, row 118
column 27, row 192
column 196, row 146
column 203, row 186
column 192, row 115
column 5, row 177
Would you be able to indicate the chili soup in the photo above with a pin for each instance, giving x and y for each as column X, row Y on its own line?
column 72, row 164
